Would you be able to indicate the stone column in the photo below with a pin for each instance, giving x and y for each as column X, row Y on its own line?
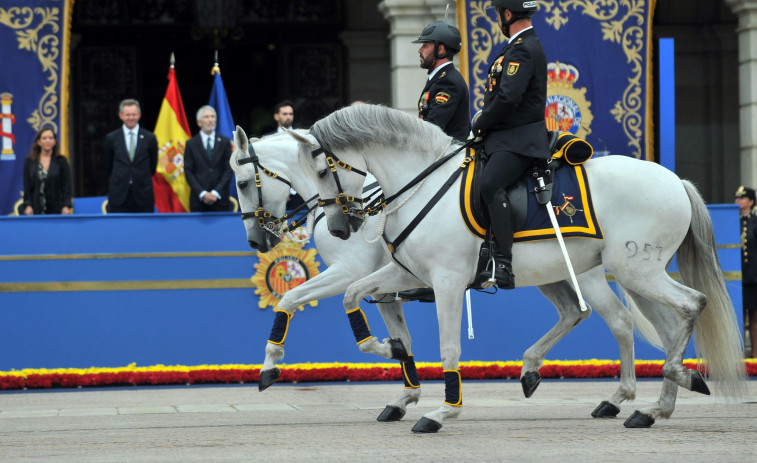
column 746, row 10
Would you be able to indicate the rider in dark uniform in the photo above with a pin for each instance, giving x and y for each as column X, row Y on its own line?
column 511, row 126
column 444, row 100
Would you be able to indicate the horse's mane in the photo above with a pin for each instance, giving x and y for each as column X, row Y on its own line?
column 355, row 127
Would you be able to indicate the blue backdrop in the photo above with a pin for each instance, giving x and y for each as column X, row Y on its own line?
column 598, row 56
column 34, row 40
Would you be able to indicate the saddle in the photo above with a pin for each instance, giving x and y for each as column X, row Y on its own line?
column 564, row 183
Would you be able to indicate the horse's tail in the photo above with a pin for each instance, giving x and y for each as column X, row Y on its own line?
column 717, row 339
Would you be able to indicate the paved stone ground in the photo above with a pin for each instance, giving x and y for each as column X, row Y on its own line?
column 336, row 423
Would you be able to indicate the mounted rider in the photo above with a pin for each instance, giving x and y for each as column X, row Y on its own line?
column 444, row 100
column 511, row 126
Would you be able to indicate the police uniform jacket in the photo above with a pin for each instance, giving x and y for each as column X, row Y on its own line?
column 749, row 248
column 445, row 102
column 512, row 118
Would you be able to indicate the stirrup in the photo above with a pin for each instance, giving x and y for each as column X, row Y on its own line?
column 491, row 281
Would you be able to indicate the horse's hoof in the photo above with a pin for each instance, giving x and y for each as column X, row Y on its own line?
column 639, row 420
column 398, row 350
column 698, row 384
column 530, row 381
column 268, row 377
column 391, row 413
column 425, row 425
column 606, row 410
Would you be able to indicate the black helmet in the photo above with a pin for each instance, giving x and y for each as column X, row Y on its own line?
column 521, row 8
column 442, row 32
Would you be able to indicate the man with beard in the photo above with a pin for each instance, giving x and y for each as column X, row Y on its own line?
column 444, row 100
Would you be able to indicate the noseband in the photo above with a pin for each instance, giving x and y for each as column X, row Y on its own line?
column 266, row 219
column 342, row 199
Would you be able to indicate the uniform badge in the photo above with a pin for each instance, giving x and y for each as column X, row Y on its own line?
column 498, row 64
column 442, row 97
column 519, row 41
column 567, row 208
column 443, row 74
column 423, row 102
column 512, row 68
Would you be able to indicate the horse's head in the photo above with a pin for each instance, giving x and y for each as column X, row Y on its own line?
column 339, row 184
column 262, row 199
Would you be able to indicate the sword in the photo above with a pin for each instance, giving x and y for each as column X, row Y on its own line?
column 553, row 218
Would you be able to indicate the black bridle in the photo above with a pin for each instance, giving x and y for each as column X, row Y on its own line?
column 341, row 199
column 266, row 219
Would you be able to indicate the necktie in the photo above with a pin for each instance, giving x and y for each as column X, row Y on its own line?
column 132, row 146
column 209, row 149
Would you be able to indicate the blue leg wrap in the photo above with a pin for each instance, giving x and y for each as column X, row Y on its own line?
column 409, row 374
column 280, row 327
column 452, row 388
column 359, row 325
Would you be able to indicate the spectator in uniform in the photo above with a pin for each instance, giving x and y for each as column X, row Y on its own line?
column 745, row 198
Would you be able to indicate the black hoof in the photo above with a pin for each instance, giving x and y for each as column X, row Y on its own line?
column 639, row 420
column 606, row 410
column 698, row 384
column 530, row 381
column 391, row 413
column 425, row 425
column 398, row 350
column 268, row 377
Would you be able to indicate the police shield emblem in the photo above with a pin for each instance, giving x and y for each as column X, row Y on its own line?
column 512, row 68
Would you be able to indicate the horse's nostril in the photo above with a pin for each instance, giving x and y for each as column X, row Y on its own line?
column 341, row 234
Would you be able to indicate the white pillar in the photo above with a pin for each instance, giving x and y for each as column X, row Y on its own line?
column 746, row 11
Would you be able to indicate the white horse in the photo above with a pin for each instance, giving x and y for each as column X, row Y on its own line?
column 355, row 258
column 646, row 212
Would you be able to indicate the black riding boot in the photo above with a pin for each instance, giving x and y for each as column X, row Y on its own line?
column 501, row 223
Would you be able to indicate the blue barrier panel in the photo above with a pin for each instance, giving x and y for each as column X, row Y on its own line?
column 110, row 290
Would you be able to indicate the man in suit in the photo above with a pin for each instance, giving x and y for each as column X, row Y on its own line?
column 511, row 126
column 444, row 100
column 131, row 156
column 206, row 165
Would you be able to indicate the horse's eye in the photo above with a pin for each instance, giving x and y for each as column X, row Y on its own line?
column 323, row 173
column 242, row 185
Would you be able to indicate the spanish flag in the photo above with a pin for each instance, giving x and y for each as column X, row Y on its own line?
column 172, row 131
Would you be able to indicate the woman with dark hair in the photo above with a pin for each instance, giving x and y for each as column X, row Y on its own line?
column 47, row 177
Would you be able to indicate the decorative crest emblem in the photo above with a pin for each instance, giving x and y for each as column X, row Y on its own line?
column 567, row 109
column 567, row 207
column 285, row 267
column 7, row 119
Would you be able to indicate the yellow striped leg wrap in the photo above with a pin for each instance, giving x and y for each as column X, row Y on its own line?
column 453, row 391
column 280, row 327
column 410, row 375
column 359, row 325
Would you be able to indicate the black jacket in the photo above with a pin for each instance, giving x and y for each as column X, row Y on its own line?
column 57, row 186
column 208, row 174
column 512, row 118
column 445, row 102
column 137, row 173
column 749, row 248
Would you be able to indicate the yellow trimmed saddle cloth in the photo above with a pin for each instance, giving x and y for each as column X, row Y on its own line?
column 571, row 198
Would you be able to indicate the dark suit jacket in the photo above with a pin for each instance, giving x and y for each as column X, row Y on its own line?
column 137, row 173
column 208, row 174
column 515, row 96
column 57, row 186
column 749, row 248
column 445, row 102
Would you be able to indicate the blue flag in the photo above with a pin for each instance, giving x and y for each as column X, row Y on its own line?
column 225, row 125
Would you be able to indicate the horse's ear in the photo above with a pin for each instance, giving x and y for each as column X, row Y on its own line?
column 240, row 139
column 299, row 137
